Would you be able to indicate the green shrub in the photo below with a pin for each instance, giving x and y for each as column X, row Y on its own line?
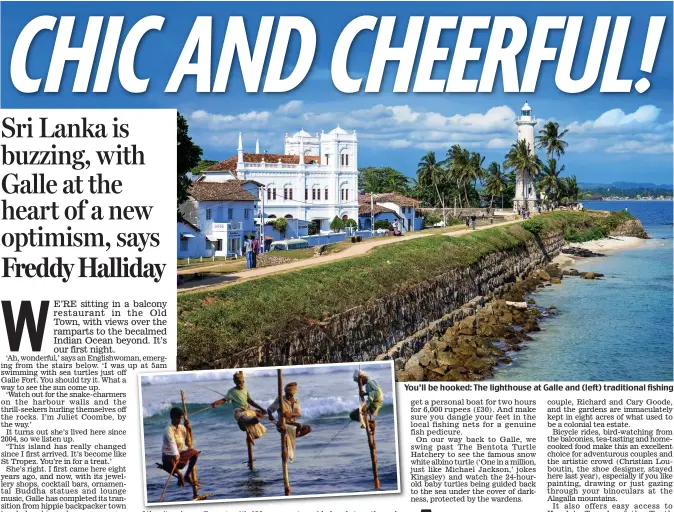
column 281, row 225
column 350, row 223
column 381, row 224
column 337, row 224
column 535, row 225
column 431, row 220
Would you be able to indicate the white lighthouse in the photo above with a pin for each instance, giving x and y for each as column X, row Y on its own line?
column 525, row 192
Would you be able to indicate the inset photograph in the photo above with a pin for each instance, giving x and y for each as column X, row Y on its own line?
column 262, row 433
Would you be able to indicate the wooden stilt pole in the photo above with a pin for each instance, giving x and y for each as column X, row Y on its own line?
column 190, row 443
column 251, row 464
column 370, row 436
column 284, row 446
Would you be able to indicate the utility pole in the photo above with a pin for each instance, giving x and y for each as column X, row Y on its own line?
column 372, row 213
column 262, row 220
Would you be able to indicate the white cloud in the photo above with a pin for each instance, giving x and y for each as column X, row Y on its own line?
column 404, row 126
column 617, row 120
column 635, row 146
column 499, row 143
column 292, row 108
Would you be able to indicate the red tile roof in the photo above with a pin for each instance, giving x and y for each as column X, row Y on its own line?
column 231, row 190
column 396, row 198
column 364, row 206
column 230, row 163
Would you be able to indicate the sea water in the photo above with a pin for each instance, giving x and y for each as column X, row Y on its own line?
column 615, row 329
column 327, row 461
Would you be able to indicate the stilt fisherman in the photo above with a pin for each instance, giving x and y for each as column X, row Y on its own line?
column 247, row 418
column 291, row 411
column 175, row 454
column 375, row 399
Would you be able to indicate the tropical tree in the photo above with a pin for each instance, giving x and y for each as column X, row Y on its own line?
column 476, row 171
column 570, row 192
column 430, row 171
column 496, row 182
column 188, row 156
column 203, row 164
column 549, row 183
column 524, row 162
column 377, row 180
column 550, row 139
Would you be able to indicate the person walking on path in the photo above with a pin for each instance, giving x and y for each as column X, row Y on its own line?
column 248, row 244
column 473, row 221
column 256, row 247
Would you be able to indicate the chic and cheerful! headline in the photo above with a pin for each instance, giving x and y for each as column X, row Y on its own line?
column 106, row 51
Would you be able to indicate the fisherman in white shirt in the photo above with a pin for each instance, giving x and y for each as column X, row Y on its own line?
column 175, row 453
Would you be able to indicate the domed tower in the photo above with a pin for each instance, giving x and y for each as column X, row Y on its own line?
column 525, row 192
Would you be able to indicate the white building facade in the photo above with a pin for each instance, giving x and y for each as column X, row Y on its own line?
column 525, row 191
column 223, row 212
column 315, row 180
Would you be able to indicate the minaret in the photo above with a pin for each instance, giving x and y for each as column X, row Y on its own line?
column 301, row 149
column 525, row 192
column 239, row 160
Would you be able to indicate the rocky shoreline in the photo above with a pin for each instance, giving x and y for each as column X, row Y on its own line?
column 489, row 330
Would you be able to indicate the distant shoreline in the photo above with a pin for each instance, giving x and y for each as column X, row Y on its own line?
column 603, row 200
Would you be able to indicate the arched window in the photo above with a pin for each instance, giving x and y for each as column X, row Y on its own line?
column 287, row 192
column 316, row 193
column 344, row 191
column 289, row 216
column 271, row 192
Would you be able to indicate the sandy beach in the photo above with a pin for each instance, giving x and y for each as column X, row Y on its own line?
column 603, row 246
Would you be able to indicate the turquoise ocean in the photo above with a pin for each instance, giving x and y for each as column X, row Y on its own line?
column 327, row 461
column 615, row 329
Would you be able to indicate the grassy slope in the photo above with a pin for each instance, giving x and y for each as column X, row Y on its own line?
column 219, row 323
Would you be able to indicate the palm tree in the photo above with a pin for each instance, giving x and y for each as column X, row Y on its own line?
column 550, row 139
column 459, row 168
column 550, row 180
column 570, row 190
column 429, row 170
column 496, row 181
column 476, row 171
column 524, row 162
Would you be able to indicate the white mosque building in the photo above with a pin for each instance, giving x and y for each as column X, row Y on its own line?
column 315, row 180
column 525, row 191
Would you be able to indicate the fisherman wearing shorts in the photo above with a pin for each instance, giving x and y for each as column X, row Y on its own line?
column 375, row 399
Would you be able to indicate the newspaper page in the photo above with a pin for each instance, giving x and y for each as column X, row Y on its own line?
column 344, row 256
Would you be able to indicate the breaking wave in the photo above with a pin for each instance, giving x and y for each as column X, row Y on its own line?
column 157, row 409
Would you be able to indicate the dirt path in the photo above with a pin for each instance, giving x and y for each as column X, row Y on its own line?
column 356, row 250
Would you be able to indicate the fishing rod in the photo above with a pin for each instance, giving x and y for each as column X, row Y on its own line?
column 210, row 406
column 331, row 440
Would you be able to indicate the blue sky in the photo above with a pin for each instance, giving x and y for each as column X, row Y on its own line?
column 613, row 137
